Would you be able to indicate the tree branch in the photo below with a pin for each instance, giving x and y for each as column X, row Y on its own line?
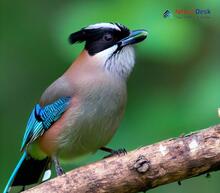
column 145, row 168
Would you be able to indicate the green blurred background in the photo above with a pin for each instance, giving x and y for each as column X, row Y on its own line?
column 174, row 88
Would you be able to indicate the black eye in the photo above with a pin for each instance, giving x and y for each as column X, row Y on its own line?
column 107, row 37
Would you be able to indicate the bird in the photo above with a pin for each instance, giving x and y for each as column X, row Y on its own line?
column 79, row 112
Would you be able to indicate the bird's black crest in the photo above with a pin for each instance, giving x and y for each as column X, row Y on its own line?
column 94, row 37
column 78, row 36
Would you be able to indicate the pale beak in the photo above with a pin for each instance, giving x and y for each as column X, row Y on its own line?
column 135, row 36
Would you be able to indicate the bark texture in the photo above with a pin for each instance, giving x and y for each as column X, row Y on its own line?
column 144, row 168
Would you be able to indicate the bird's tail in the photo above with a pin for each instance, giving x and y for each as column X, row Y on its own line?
column 28, row 171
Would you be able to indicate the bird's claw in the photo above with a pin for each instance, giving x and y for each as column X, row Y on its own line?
column 119, row 152
column 59, row 171
column 58, row 168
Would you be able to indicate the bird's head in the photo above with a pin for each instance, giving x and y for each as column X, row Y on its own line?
column 111, row 43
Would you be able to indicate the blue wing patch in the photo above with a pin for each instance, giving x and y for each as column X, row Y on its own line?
column 41, row 119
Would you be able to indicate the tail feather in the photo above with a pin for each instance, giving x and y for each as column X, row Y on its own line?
column 28, row 171
column 11, row 179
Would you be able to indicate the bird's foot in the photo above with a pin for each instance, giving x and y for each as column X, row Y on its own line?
column 121, row 151
column 59, row 171
column 58, row 168
column 118, row 152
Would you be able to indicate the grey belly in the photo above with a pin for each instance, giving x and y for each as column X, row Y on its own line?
column 89, row 127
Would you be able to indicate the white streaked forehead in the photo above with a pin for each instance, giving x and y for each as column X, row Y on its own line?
column 103, row 25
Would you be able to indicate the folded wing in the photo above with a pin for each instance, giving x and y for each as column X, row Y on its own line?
column 42, row 118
